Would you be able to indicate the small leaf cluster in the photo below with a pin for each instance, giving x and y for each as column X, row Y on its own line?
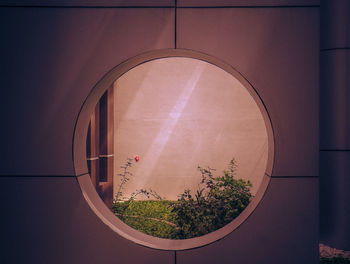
column 125, row 177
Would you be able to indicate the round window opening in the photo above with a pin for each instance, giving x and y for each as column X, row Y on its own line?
column 178, row 147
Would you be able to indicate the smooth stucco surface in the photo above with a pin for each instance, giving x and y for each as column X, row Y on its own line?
column 52, row 59
column 178, row 113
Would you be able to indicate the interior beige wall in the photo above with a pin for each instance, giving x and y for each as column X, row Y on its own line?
column 178, row 113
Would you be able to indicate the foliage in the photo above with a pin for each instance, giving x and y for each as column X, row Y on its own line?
column 216, row 203
column 153, row 217
column 124, row 178
column 334, row 260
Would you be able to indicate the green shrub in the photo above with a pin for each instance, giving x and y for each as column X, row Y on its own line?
column 218, row 202
column 152, row 217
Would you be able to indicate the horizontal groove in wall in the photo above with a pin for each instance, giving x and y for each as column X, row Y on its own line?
column 254, row 6
column 86, row 173
column 167, row 6
column 293, row 177
column 335, row 150
column 79, row 6
column 37, row 176
column 332, row 49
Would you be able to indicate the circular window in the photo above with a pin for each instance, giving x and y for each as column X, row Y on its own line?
column 174, row 149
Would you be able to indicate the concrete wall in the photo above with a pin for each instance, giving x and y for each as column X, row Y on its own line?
column 53, row 56
column 178, row 113
column 335, row 124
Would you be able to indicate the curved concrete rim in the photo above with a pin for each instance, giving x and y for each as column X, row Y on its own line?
column 89, row 192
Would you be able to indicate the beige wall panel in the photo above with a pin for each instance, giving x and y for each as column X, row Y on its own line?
column 50, row 61
column 334, row 100
column 276, row 49
column 178, row 114
column 47, row 220
column 282, row 229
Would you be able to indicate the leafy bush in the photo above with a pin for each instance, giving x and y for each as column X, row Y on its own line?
column 216, row 203
column 153, row 217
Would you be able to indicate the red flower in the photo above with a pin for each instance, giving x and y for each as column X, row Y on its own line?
column 136, row 158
